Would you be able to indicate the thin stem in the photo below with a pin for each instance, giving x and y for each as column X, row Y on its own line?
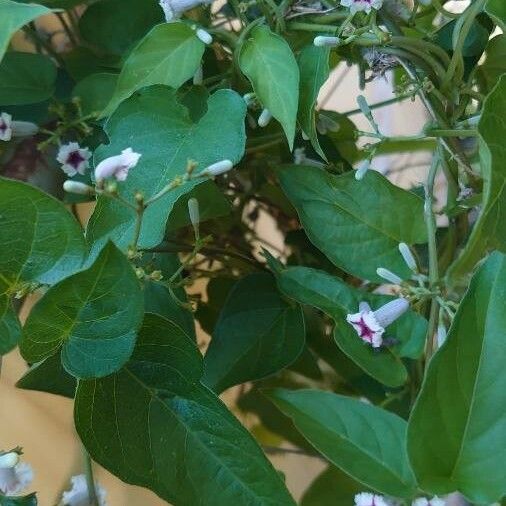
column 430, row 223
column 383, row 103
column 442, row 132
column 457, row 59
column 90, row 481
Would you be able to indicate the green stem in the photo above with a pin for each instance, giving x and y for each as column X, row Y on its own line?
column 384, row 103
column 457, row 60
column 310, row 27
column 430, row 223
column 441, row 132
column 90, row 481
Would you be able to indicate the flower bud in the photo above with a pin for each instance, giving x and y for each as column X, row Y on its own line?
column 362, row 5
column 388, row 276
column 9, row 460
column 326, row 41
column 305, row 136
column 217, row 168
column 78, row 188
column 198, row 77
column 441, row 335
column 264, row 118
column 362, row 169
column 193, row 211
column 368, row 499
column 408, row 256
column 388, row 313
column 24, row 129
column 204, row 36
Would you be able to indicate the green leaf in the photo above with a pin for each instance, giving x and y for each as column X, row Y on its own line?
column 49, row 376
column 156, row 125
column 331, row 488
column 257, row 334
column 27, row 500
column 458, row 426
column 335, row 298
column 268, row 62
column 169, row 54
column 26, row 78
column 358, row 225
column 497, row 10
column 10, row 328
column 95, row 92
column 88, row 317
column 155, row 425
column 114, row 25
column 366, row 442
column 212, row 204
column 495, row 64
column 488, row 231
column 41, row 241
column 13, row 16
column 314, row 71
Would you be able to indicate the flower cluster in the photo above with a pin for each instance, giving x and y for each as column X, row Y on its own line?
column 368, row 499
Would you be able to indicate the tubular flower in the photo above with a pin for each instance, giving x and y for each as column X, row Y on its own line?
column 117, row 166
column 218, row 168
column 370, row 325
column 15, row 476
column 78, row 494
column 74, row 159
column 362, row 5
column 367, row 499
column 10, row 128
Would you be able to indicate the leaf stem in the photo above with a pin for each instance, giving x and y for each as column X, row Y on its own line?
column 90, row 481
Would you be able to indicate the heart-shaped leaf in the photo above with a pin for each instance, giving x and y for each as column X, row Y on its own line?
column 314, row 71
column 457, row 429
column 26, row 78
column 366, row 442
column 257, row 334
column 169, row 54
column 489, row 231
column 156, row 125
column 357, row 224
column 92, row 316
column 154, row 424
column 268, row 62
column 337, row 299
column 41, row 241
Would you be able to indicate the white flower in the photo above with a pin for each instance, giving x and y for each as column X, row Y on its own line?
column 10, row 128
column 8, row 460
column 423, row 501
column 362, row 5
column 370, row 325
column 14, row 480
column 74, row 159
column 173, row 9
column 117, row 166
column 5, row 127
column 217, row 168
column 78, row 494
column 78, row 188
column 325, row 40
column 367, row 499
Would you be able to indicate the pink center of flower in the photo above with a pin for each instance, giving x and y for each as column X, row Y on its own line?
column 365, row 333
column 3, row 126
column 363, row 1
column 75, row 159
